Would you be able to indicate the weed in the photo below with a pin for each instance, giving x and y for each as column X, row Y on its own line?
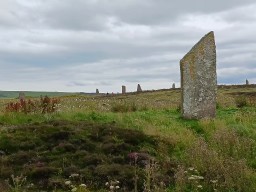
column 241, row 101
column 44, row 105
column 17, row 183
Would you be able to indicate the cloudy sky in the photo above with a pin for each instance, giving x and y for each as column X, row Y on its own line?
column 81, row 45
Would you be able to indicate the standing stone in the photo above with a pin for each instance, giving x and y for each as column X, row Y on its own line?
column 123, row 89
column 21, row 96
column 199, row 80
column 139, row 88
column 97, row 91
column 173, row 85
column 247, row 82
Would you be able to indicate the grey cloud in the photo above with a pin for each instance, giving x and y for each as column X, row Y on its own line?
column 93, row 15
column 78, row 44
column 235, row 75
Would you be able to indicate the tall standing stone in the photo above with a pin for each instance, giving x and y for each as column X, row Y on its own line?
column 173, row 85
column 123, row 89
column 139, row 88
column 199, row 80
column 97, row 91
column 247, row 82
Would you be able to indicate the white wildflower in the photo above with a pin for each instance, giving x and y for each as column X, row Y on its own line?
column 191, row 168
column 214, row 181
column 74, row 175
column 111, row 187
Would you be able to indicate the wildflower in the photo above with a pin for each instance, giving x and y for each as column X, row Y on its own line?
column 111, row 187
column 214, row 181
column 106, row 183
column 191, row 168
column 74, row 175
column 67, row 182
column 74, row 189
column 199, row 186
column 82, row 185
column 117, row 187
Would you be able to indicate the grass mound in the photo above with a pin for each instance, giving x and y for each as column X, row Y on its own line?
column 49, row 154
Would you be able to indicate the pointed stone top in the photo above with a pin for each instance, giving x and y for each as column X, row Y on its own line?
column 207, row 39
column 139, row 88
column 199, row 79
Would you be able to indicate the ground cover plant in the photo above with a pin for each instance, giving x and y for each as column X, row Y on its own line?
column 132, row 142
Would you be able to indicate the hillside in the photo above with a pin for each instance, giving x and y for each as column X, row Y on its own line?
column 15, row 94
column 132, row 142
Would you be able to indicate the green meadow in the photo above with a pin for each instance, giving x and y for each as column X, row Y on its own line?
column 132, row 142
column 31, row 94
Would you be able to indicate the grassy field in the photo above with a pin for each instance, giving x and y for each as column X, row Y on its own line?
column 133, row 142
column 15, row 94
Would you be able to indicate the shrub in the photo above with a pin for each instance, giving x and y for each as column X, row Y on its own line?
column 120, row 107
column 230, row 174
column 44, row 105
column 124, row 107
column 241, row 101
column 252, row 101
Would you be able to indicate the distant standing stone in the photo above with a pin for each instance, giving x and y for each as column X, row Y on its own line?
column 97, row 91
column 173, row 85
column 139, row 88
column 199, row 80
column 21, row 96
column 247, row 82
column 123, row 89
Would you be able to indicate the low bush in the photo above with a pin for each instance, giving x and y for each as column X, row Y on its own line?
column 123, row 107
column 44, row 105
column 241, row 101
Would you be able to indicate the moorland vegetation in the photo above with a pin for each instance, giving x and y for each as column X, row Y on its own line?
column 131, row 142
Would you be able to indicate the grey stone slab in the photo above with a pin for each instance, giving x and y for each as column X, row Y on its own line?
column 139, row 88
column 123, row 89
column 199, row 80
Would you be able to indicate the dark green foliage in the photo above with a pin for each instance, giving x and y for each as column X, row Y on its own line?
column 241, row 101
column 49, row 153
column 124, row 107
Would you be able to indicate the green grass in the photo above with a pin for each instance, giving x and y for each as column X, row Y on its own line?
column 96, row 129
column 15, row 94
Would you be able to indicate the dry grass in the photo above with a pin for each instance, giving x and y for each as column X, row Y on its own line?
column 222, row 151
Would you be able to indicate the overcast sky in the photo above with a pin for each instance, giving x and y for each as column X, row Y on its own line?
column 81, row 45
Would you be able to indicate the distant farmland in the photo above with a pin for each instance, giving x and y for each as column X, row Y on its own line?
column 15, row 94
